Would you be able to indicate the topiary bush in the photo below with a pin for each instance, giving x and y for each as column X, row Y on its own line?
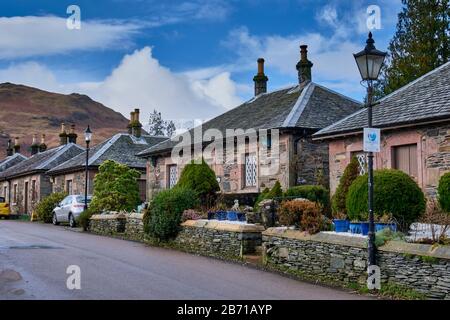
column 313, row 193
column 275, row 192
column 166, row 209
column 202, row 179
column 290, row 212
column 311, row 218
column 394, row 192
column 115, row 188
column 83, row 219
column 351, row 172
column 444, row 192
column 261, row 196
column 44, row 209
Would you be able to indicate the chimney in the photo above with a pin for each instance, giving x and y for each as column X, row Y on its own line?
column 72, row 136
column 42, row 146
column 260, row 79
column 63, row 135
column 9, row 149
column 34, row 145
column 304, row 66
column 129, row 126
column 136, row 126
column 16, row 145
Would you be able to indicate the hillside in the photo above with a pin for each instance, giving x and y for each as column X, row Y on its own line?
column 25, row 111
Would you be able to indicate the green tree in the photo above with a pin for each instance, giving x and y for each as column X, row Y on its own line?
column 115, row 188
column 351, row 172
column 159, row 127
column 420, row 44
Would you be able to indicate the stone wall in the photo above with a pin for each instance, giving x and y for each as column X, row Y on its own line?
column 218, row 238
column 433, row 153
column 134, row 227
column 342, row 260
column 108, row 224
column 78, row 182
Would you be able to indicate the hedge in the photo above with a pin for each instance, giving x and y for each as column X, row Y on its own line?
column 313, row 193
column 444, row 192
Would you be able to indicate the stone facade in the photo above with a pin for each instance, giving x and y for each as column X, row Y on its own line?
column 77, row 179
column 433, row 153
column 342, row 260
column 301, row 161
column 24, row 193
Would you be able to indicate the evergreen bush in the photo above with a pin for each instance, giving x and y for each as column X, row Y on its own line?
column 444, row 192
column 351, row 172
column 44, row 209
column 313, row 193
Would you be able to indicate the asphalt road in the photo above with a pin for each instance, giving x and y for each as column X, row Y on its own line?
column 34, row 259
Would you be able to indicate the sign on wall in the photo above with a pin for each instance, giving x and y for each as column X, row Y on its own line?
column 372, row 140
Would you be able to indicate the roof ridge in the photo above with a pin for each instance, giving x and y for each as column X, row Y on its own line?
column 63, row 148
column 299, row 105
column 406, row 86
column 105, row 147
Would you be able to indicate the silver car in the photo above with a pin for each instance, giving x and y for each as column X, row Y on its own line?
column 69, row 209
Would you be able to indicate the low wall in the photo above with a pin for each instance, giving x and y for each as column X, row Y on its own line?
column 219, row 238
column 342, row 260
column 107, row 224
column 134, row 227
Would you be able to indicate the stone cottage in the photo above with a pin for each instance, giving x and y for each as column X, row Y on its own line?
column 26, row 183
column 284, row 119
column 13, row 157
column 70, row 176
column 415, row 132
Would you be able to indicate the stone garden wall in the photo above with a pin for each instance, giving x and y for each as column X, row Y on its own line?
column 107, row 224
column 341, row 260
column 219, row 239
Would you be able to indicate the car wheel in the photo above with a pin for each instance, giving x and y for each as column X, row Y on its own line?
column 54, row 219
column 72, row 222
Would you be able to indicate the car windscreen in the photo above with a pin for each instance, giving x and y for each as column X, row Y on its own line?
column 80, row 199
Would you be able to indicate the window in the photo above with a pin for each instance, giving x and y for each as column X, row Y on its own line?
column 33, row 190
column 405, row 159
column 69, row 186
column 173, row 173
column 15, row 193
column 142, row 189
column 250, row 170
column 362, row 161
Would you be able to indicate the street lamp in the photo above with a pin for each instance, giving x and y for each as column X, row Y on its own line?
column 370, row 61
column 87, row 138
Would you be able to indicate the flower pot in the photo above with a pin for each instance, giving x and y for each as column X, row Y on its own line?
column 364, row 228
column 232, row 215
column 355, row 227
column 241, row 216
column 221, row 215
column 380, row 226
column 211, row 215
column 340, row 225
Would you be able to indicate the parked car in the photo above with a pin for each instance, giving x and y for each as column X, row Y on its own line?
column 4, row 208
column 69, row 209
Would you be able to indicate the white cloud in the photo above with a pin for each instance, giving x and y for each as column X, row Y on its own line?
column 141, row 82
column 33, row 36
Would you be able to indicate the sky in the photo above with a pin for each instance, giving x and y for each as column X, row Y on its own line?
column 191, row 59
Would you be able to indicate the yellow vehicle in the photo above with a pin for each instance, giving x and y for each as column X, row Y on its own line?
column 4, row 208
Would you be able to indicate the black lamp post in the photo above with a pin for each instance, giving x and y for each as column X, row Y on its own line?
column 87, row 138
column 370, row 61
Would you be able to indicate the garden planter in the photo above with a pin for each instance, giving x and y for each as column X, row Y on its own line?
column 340, row 225
column 364, row 228
column 232, row 216
column 355, row 227
column 241, row 216
column 211, row 215
column 380, row 226
column 221, row 215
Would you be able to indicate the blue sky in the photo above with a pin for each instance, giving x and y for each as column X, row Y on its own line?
column 188, row 59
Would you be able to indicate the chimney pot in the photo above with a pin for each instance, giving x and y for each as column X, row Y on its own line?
column 260, row 79
column 42, row 146
column 34, row 145
column 9, row 149
column 72, row 136
column 136, row 126
column 63, row 134
column 16, row 145
column 304, row 65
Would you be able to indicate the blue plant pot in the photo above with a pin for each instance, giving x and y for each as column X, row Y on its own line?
column 340, row 225
column 241, row 216
column 355, row 227
column 211, row 215
column 380, row 226
column 232, row 215
column 221, row 215
column 364, row 228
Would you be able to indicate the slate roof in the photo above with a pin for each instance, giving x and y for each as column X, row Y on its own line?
column 308, row 105
column 42, row 161
column 121, row 147
column 11, row 161
column 423, row 100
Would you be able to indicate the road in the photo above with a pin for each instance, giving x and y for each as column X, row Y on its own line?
column 34, row 259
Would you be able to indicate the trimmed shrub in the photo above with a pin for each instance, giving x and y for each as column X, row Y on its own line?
column 83, row 219
column 115, row 188
column 261, row 196
column 166, row 209
column 351, row 172
column 394, row 192
column 311, row 218
column 201, row 179
column 275, row 192
column 444, row 192
column 311, row 192
column 290, row 212
column 44, row 209
column 190, row 214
